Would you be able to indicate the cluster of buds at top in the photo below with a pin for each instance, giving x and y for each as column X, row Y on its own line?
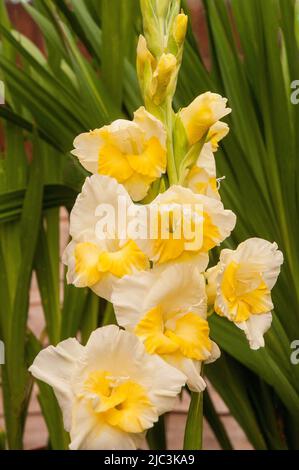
column 159, row 53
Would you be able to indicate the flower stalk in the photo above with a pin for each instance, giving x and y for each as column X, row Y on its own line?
column 159, row 58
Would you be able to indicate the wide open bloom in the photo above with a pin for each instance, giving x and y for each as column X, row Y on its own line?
column 97, row 256
column 132, row 152
column 110, row 391
column 184, row 226
column 202, row 113
column 241, row 283
column 167, row 309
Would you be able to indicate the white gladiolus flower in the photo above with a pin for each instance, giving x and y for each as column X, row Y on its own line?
column 95, row 259
column 241, row 283
column 132, row 152
column 110, row 391
column 167, row 309
column 195, row 224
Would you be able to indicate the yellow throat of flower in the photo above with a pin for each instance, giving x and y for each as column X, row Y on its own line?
column 93, row 263
column 176, row 240
column 147, row 159
column 118, row 401
column 245, row 292
column 186, row 335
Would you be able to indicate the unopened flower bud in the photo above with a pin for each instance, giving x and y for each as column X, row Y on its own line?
column 180, row 28
column 162, row 75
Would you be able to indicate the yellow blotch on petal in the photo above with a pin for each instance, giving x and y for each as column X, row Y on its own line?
column 86, row 262
column 200, row 182
column 113, row 162
column 211, row 234
column 202, row 187
column 123, row 261
column 167, row 250
column 191, row 334
column 201, row 114
column 175, row 232
column 121, row 402
column 187, row 335
column 151, row 330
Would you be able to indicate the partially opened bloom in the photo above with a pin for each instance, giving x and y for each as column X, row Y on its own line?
column 167, row 309
column 132, row 152
column 97, row 256
column 110, row 391
column 202, row 176
column 241, row 284
column 184, row 226
column 202, row 113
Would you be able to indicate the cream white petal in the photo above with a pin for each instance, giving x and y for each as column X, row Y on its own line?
column 137, row 186
column 206, row 160
column 192, row 370
column 87, row 148
column 264, row 255
column 123, row 133
column 217, row 132
column 56, row 366
column 128, row 298
column 223, row 219
column 163, row 382
column 123, row 354
column 202, row 177
column 151, row 126
column 174, row 287
column 68, row 259
column 103, row 288
column 211, row 276
column 225, row 256
column 215, row 353
column 255, row 328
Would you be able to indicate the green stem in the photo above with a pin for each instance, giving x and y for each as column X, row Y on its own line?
column 109, row 315
column 194, row 423
column 168, row 122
